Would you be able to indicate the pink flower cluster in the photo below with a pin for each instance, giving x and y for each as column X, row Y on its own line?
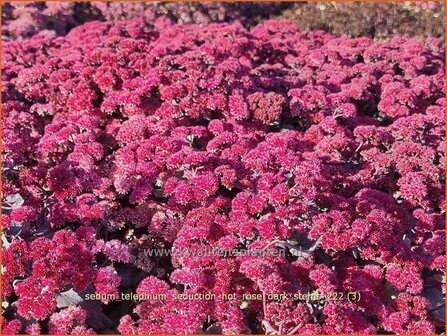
column 125, row 137
column 25, row 19
column 428, row 6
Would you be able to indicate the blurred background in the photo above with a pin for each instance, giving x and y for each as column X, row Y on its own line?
column 380, row 21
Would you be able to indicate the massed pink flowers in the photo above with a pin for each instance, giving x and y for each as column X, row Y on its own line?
column 127, row 137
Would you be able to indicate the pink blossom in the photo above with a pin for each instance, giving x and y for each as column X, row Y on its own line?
column 128, row 139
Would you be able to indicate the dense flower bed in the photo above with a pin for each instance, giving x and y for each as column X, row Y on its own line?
column 376, row 20
column 122, row 137
column 25, row 19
